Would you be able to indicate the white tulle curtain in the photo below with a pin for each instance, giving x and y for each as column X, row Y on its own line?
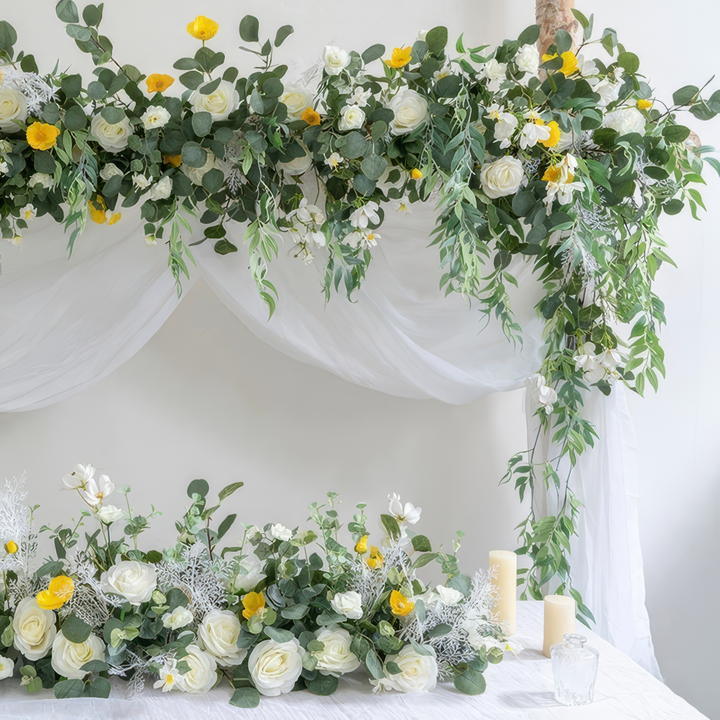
column 64, row 325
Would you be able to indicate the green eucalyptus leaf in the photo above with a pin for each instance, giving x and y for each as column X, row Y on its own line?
column 249, row 28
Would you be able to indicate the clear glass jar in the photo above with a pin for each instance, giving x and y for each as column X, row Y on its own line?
column 574, row 667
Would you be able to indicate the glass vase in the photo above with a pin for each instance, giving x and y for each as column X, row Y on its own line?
column 574, row 667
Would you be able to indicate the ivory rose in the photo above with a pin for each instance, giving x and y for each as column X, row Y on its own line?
column 336, row 657
column 178, row 618
column 275, row 667
column 297, row 101
column 133, row 580
column 252, row 575
column 410, row 111
column 34, row 629
column 626, row 121
column 113, row 137
column 69, row 657
column 348, row 604
column 202, row 675
column 13, row 110
column 351, row 118
column 502, row 177
column 218, row 634
column 297, row 166
column 418, row 673
column 219, row 103
column 335, row 60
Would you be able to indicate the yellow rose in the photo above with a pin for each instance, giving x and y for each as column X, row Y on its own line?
column 60, row 590
column 253, row 602
column 159, row 83
column 361, row 546
column 96, row 209
column 554, row 138
column 400, row 57
column 202, row 28
column 375, row 560
column 570, row 63
column 174, row 160
column 41, row 136
column 416, row 174
column 311, row 117
column 400, row 605
column 644, row 104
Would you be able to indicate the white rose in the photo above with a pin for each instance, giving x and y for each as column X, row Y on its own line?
column 109, row 514
column 495, row 72
column 608, row 92
column 410, row 111
column 133, row 580
column 335, row 658
column 297, row 101
column 45, row 181
column 68, row 657
column 502, row 177
column 218, row 634
column 275, row 667
column 162, row 189
column 626, row 121
column 34, row 629
column 196, row 174
column 528, row 59
column 13, row 106
column 112, row 137
column 348, row 604
column 178, row 618
column 280, row 532
column 141, row 182
column 155, row 116
column 202, row 675
column 219, row 103
column 449, row 596
column 110, row 170
column 418, row 673
column 335, row 60
column 253, row 575
column 352, row 117
column 7, row 667
column 297, row 166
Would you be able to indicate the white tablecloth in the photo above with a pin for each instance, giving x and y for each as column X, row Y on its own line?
column 519, row 687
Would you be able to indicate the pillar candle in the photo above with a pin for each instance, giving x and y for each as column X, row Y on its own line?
column 559, row 620
column 505, row 580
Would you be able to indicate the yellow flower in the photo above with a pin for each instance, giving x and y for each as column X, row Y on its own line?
column 361, row 546
column 202, row 28
column 416, row 174
column 311, row 117
column 96, row 209
column 253, row 602
column 41, row 136
column 174, row 160
column 60, row 590
column 11, row 547
column 375, row 560
column 644, row 104
column 159, row 83
column 554, row 138
column 552, row 174
column 400, row 57
column 570, row 63
column 115, row 217
column 400, row 605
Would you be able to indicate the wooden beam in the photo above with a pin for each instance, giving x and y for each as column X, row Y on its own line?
column 554, row 15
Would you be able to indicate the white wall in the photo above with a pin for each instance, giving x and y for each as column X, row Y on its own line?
column 205, row 398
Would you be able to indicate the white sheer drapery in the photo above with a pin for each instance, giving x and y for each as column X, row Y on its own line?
column 67, row 324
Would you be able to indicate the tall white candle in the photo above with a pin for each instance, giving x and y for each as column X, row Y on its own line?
column 559, row 620
column 505, row 580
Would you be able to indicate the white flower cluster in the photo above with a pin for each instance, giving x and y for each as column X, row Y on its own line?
column 602, row 366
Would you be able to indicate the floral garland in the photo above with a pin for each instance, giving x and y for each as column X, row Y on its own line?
column 268, row 615
column 564, row 160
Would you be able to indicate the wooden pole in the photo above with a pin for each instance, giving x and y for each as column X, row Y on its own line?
column 554, row 15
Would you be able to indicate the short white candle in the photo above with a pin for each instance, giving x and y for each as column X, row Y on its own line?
column 505, row 580
column 559, row 620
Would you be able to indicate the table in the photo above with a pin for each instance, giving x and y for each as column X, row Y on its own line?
column 520, row 688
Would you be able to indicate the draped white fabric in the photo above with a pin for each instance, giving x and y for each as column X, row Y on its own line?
column 67, row 324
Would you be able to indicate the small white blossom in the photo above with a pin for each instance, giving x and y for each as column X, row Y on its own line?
column 365, row 214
